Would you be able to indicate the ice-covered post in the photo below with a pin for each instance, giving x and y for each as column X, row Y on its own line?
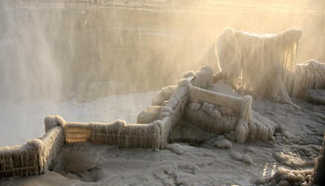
column 319, row 169
column 245, row 116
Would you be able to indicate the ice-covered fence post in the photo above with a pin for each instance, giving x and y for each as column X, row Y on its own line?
column 52, row 141
column 245, row 116
column 319, row 169
column 172, row 112
column 52, row 121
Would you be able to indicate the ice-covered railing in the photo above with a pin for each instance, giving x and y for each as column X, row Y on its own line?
column 152, row 129
column 212, row 111
column 116, row 133
column 37, row 155
column 150, row 134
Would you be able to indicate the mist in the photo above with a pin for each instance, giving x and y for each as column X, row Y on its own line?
column 55, row 53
